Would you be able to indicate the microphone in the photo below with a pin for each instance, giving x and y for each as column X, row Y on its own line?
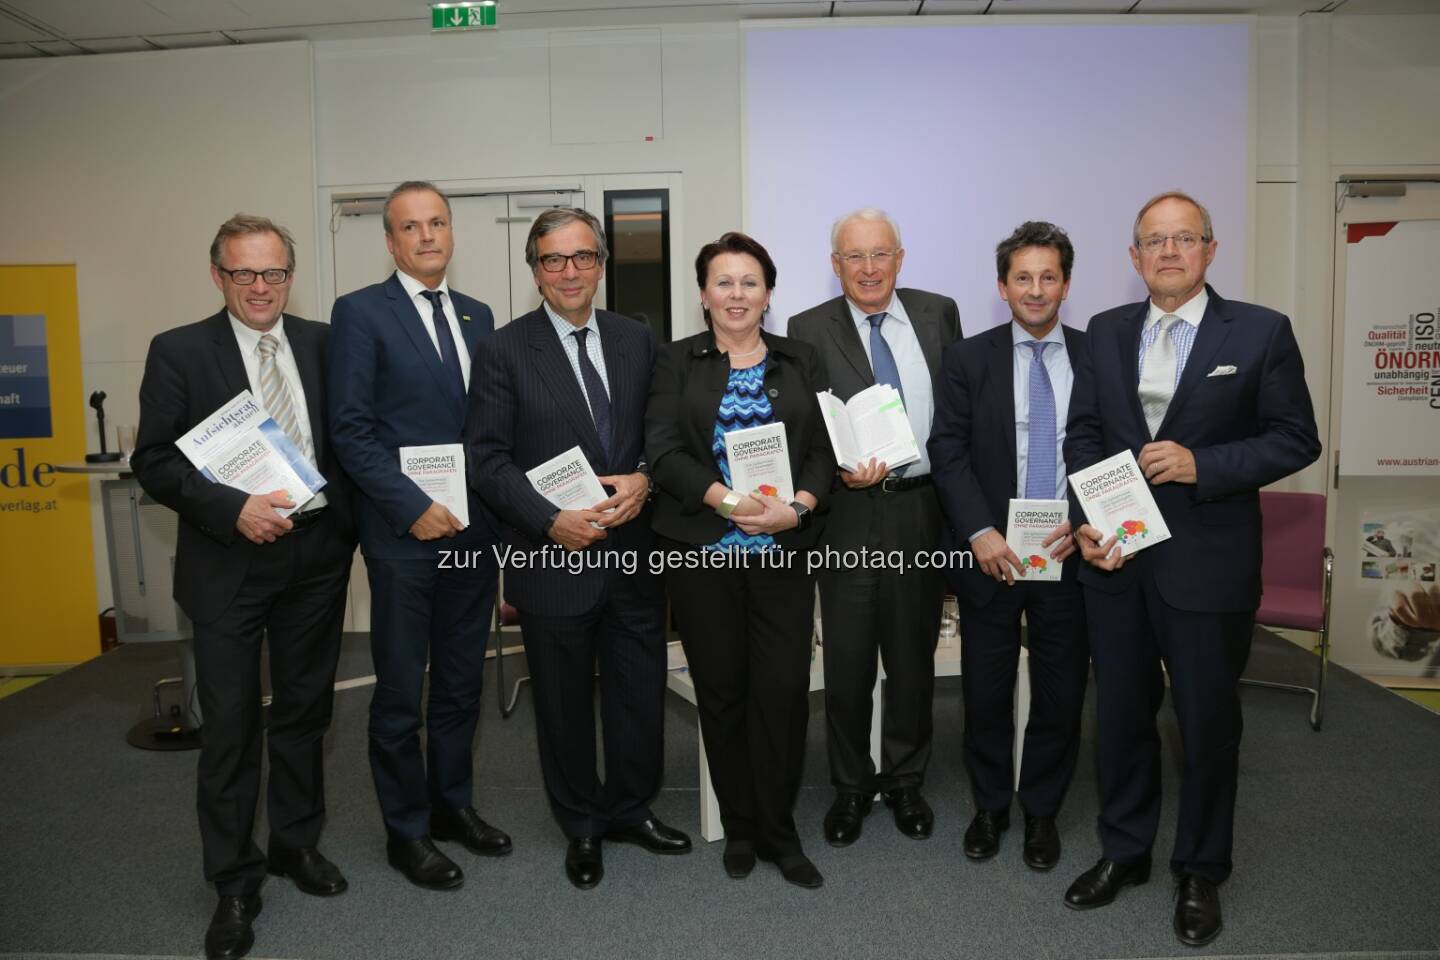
column 97, row 402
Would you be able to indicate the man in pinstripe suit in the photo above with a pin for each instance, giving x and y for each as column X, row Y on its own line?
column 562, row 376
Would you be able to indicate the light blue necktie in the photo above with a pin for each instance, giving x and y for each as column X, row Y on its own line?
column 1040, row 457
column 882, row 361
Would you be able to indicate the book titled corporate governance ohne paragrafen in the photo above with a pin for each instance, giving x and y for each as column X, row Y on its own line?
column 240, row 446
column 1116, row 499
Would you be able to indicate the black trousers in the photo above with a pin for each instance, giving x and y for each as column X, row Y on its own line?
column 1059, row 667
column 747, row 638
column 293, row 598
column 625, row 633
column 892, row 612
column 420, row 612
column 1131, row 633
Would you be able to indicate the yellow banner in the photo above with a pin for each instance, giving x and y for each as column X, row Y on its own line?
column 47, row 568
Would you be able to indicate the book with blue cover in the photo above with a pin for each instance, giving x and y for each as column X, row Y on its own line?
column 241, row 446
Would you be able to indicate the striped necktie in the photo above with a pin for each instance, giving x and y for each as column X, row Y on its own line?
column 275, row 394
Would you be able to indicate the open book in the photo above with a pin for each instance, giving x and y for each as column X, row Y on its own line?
column 871, row 424
column 240, row 446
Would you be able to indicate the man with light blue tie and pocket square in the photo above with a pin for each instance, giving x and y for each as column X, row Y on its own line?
column 999, row 424
column 1210, row 396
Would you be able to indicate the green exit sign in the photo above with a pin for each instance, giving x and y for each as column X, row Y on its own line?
column 464, row 16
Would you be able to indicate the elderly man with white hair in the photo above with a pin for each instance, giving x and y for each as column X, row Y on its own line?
column 876, row 333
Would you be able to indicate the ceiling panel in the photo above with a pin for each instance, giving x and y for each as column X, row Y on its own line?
column 1288, row 7
column 13, row 51
column 181, row 41
column 1003, row 7
column 57, row 48
column 115, row 45
column 939, row 7
column 875, row 8
column 100, row 18
column 15, row 31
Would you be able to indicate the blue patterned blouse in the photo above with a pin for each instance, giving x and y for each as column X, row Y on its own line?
column 743, row 405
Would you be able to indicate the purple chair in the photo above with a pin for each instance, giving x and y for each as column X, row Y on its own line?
column 1296, row 575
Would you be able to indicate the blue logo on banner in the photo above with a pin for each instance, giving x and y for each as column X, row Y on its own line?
column 24, row 377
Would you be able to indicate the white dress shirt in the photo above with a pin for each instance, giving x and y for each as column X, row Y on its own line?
column 416, row 290
column 899, row 334
column 248, row 340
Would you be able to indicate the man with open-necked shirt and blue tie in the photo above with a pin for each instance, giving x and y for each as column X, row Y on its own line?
column 399, row 370
column 1210, row 396
column 875, row 333
column 999, row 424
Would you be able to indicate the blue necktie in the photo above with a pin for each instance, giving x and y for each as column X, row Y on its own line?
column 882, row 361
column 595, row 389
column 1040, row 457
column 449, row 356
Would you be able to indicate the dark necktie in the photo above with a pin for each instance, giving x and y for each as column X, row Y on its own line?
column 1040, row 454
column 595, row 389
column 449, row 356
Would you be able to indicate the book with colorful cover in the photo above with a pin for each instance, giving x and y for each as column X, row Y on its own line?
column 759, row 459
column 1116, row 499
column 1029, row 524
column 241, row 446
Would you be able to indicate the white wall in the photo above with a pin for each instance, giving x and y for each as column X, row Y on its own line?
column 125, row 165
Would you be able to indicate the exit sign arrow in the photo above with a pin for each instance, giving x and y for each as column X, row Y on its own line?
column 482, row 15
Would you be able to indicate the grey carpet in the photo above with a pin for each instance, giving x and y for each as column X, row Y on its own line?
column 1336, row 851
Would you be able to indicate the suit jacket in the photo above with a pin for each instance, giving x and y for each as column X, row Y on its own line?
column 972, row 444
column 685, row 394
column 1245, row 429
column 388, row 389
column 830, row 329
column 525, row 408
column 190, row 372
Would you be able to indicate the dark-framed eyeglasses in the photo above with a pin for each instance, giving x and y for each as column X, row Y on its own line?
column 583, row 260
column 880, row 258
column 244, row 278
column 1183, row 241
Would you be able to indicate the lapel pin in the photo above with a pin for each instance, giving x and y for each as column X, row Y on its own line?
column 465, row 317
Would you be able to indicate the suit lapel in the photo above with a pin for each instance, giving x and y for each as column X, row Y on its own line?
column 307, row 361
column 927, row 328
column 847, row 341
column 1214, row 328
column 554, row 368
column 409, row 321
column 1129, row 344
column 1002, row 383
column 227, row 354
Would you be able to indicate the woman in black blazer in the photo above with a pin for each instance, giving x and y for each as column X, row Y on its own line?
column 740, row 592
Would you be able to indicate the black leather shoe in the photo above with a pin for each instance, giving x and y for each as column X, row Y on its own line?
column 466, row 827
column 1097, row 886
column 982, row 837
column 229, row 935
column 739, row 859
column 798, row 869
column 422, row 864
column 913, row 815
column 846, row 818
column 653, row 836
column 1042, row 843
column 307, row 866
column 583, row 863
column 1197, row 911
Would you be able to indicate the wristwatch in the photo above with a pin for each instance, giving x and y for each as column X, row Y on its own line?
column 802, row 513
column 728, row 505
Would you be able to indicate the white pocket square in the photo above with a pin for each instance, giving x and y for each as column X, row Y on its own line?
column 1222, row 371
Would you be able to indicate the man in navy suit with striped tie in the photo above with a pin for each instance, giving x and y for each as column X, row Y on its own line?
column 1210, row 396
column 399, row 368
column 560, row 377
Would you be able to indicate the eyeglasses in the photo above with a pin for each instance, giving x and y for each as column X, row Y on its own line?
column 583, row 260
column 880, row 258
column 244, row 278
column 1183, row 241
